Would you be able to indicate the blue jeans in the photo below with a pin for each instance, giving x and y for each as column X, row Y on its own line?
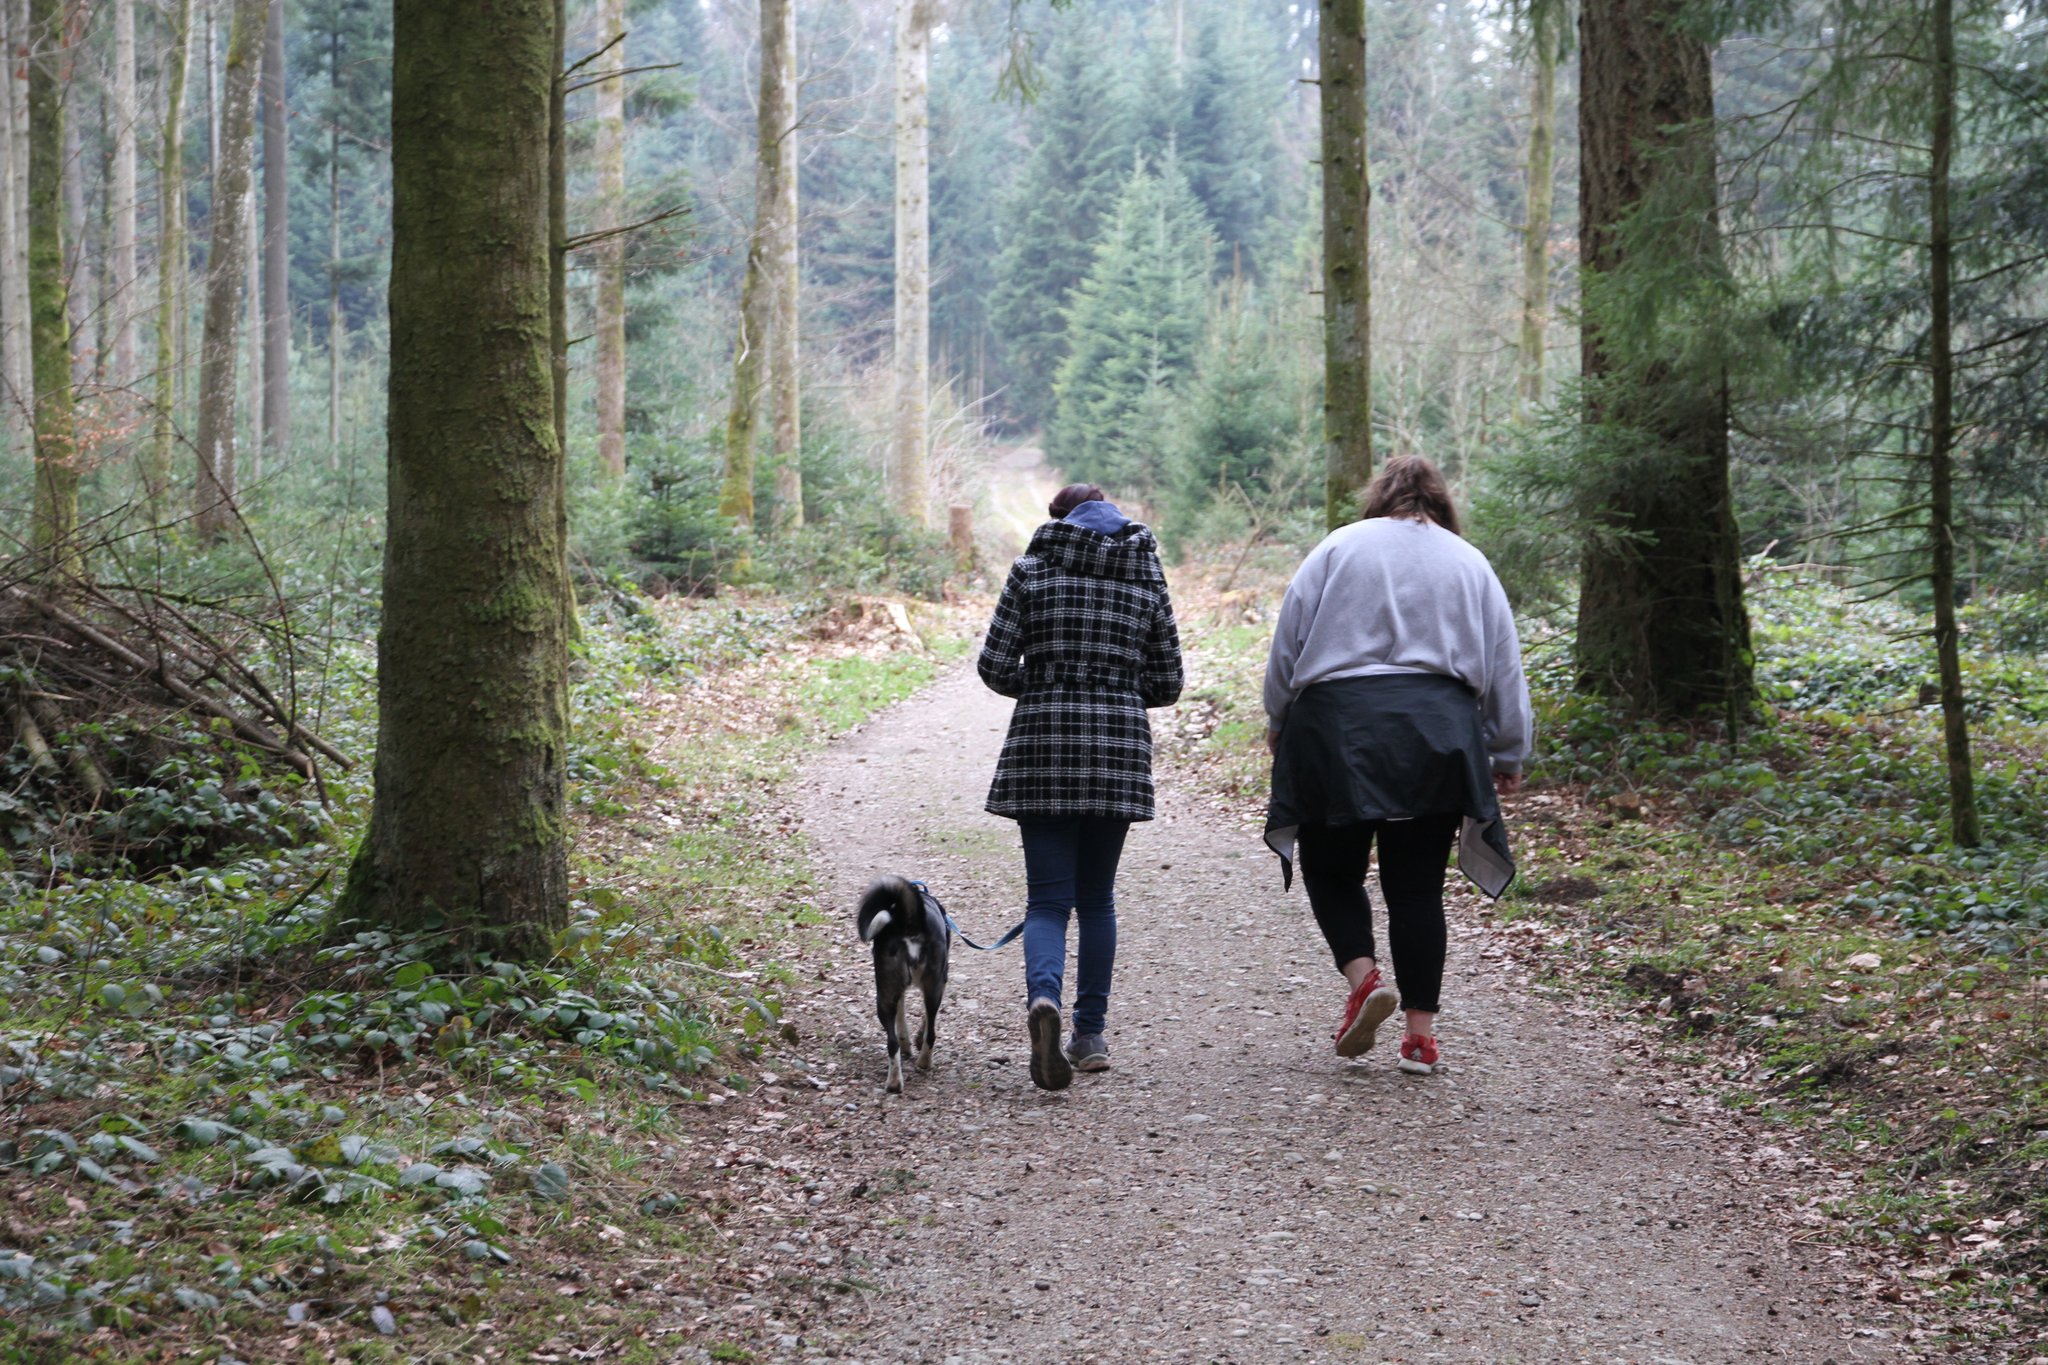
column 1070, row 864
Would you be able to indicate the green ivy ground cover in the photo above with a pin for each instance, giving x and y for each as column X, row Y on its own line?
column 218, row 1131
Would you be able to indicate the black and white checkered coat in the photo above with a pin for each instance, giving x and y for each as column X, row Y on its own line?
column 1084, row 639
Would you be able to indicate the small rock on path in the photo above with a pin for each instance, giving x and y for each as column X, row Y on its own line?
column 1231, row 1190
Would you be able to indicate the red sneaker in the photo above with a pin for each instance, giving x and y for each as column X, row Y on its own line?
column 1364, row 1012
column 1418, row 1054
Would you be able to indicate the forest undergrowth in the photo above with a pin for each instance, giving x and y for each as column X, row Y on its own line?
column 230, row 1130
column 1783, row 910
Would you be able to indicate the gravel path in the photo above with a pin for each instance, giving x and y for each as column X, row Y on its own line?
column 1231, row 1191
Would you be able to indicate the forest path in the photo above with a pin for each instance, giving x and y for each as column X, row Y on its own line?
column 1021, row 484
column 1231, row 1191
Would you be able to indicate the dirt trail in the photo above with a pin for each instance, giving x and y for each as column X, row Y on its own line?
column 1231, row 1191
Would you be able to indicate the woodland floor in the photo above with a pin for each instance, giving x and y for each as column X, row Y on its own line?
column 1229, row 1191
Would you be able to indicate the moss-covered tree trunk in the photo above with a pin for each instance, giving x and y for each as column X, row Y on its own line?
column 779, row 117
column 1661, row 620
column 1545, row 22
column 1347, row 288
column 277, row 303
column 1941, row 430
column 54, row 518
column 467, row 828
column 227, row 265
column 558, row 230
column 170, row 260
column 610, row 253
column 16, row 383
column 909, row 458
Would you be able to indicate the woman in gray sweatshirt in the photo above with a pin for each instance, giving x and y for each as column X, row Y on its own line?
column 1397, row 715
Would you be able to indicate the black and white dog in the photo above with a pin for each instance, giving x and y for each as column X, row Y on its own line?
column 911, row 943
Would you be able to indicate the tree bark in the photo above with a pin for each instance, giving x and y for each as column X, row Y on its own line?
column 226, row 264
column 1661, row 620
column 170, row 260
column 17, row 382
column 54, row 517
column 1941, row 368
column 1545, row 23
column 909, row 463
column 122, row 269
column 1347, row 284
column 467, row 826
column 277, row 184
column 611, row 252
column 252, row 299
column 78, row 257
column 558, row 231
column 778, row 139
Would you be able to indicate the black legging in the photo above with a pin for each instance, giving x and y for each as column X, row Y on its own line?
column 1414, row 858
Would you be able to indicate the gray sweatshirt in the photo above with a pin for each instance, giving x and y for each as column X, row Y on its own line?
column 1391, row 595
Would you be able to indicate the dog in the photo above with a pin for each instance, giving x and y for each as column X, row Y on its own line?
column 912, row 944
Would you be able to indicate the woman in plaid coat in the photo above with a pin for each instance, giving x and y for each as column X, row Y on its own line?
column 1084, row 639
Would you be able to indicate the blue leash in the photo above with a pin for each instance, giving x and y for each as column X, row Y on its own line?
column 935, row 903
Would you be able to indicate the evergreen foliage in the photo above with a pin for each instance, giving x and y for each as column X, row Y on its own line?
column 1080, row 158
column 1132, row 332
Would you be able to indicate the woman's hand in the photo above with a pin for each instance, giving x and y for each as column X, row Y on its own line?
column 1272, row 741
column 1507, row 784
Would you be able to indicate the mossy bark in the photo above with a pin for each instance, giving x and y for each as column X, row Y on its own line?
column 610, row 294
column 779, row 163
column 170, row 257
column 227, row 265
column 277, row 305
column 54, row 517
column 1661, row 620
column 1347, row 288
column 467, row 830
column 1941, row 434
column 1539, row 178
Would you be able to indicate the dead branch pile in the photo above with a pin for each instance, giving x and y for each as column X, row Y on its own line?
column 100, row 685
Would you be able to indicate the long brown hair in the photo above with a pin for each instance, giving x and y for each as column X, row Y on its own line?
column 1072, row 496
column 1410, row 486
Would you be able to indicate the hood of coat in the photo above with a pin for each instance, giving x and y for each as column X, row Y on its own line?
column 1130, row 553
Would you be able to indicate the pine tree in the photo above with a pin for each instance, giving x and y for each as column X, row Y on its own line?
column 1132, row 332
column 1226, row 147
column 1079, row 161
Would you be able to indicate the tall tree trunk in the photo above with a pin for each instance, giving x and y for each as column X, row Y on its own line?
column 212, row 40
column 611, row 252
column 54, row 517
column 277, row 185
column 779, row 117
column 17, row 382
column 558, row 230
column 1661, row 620
column 908, row 459
column 252, row 305
column 170, row 258
column 1347, row 281
column 122, row 269
column 77, row 237
column 757, row 313
column 337, row 334
column 226, row 264
column 467, row 825
column 1545, row 21
column 1941, row 368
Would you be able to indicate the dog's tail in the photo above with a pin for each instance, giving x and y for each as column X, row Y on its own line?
column 890, row 900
